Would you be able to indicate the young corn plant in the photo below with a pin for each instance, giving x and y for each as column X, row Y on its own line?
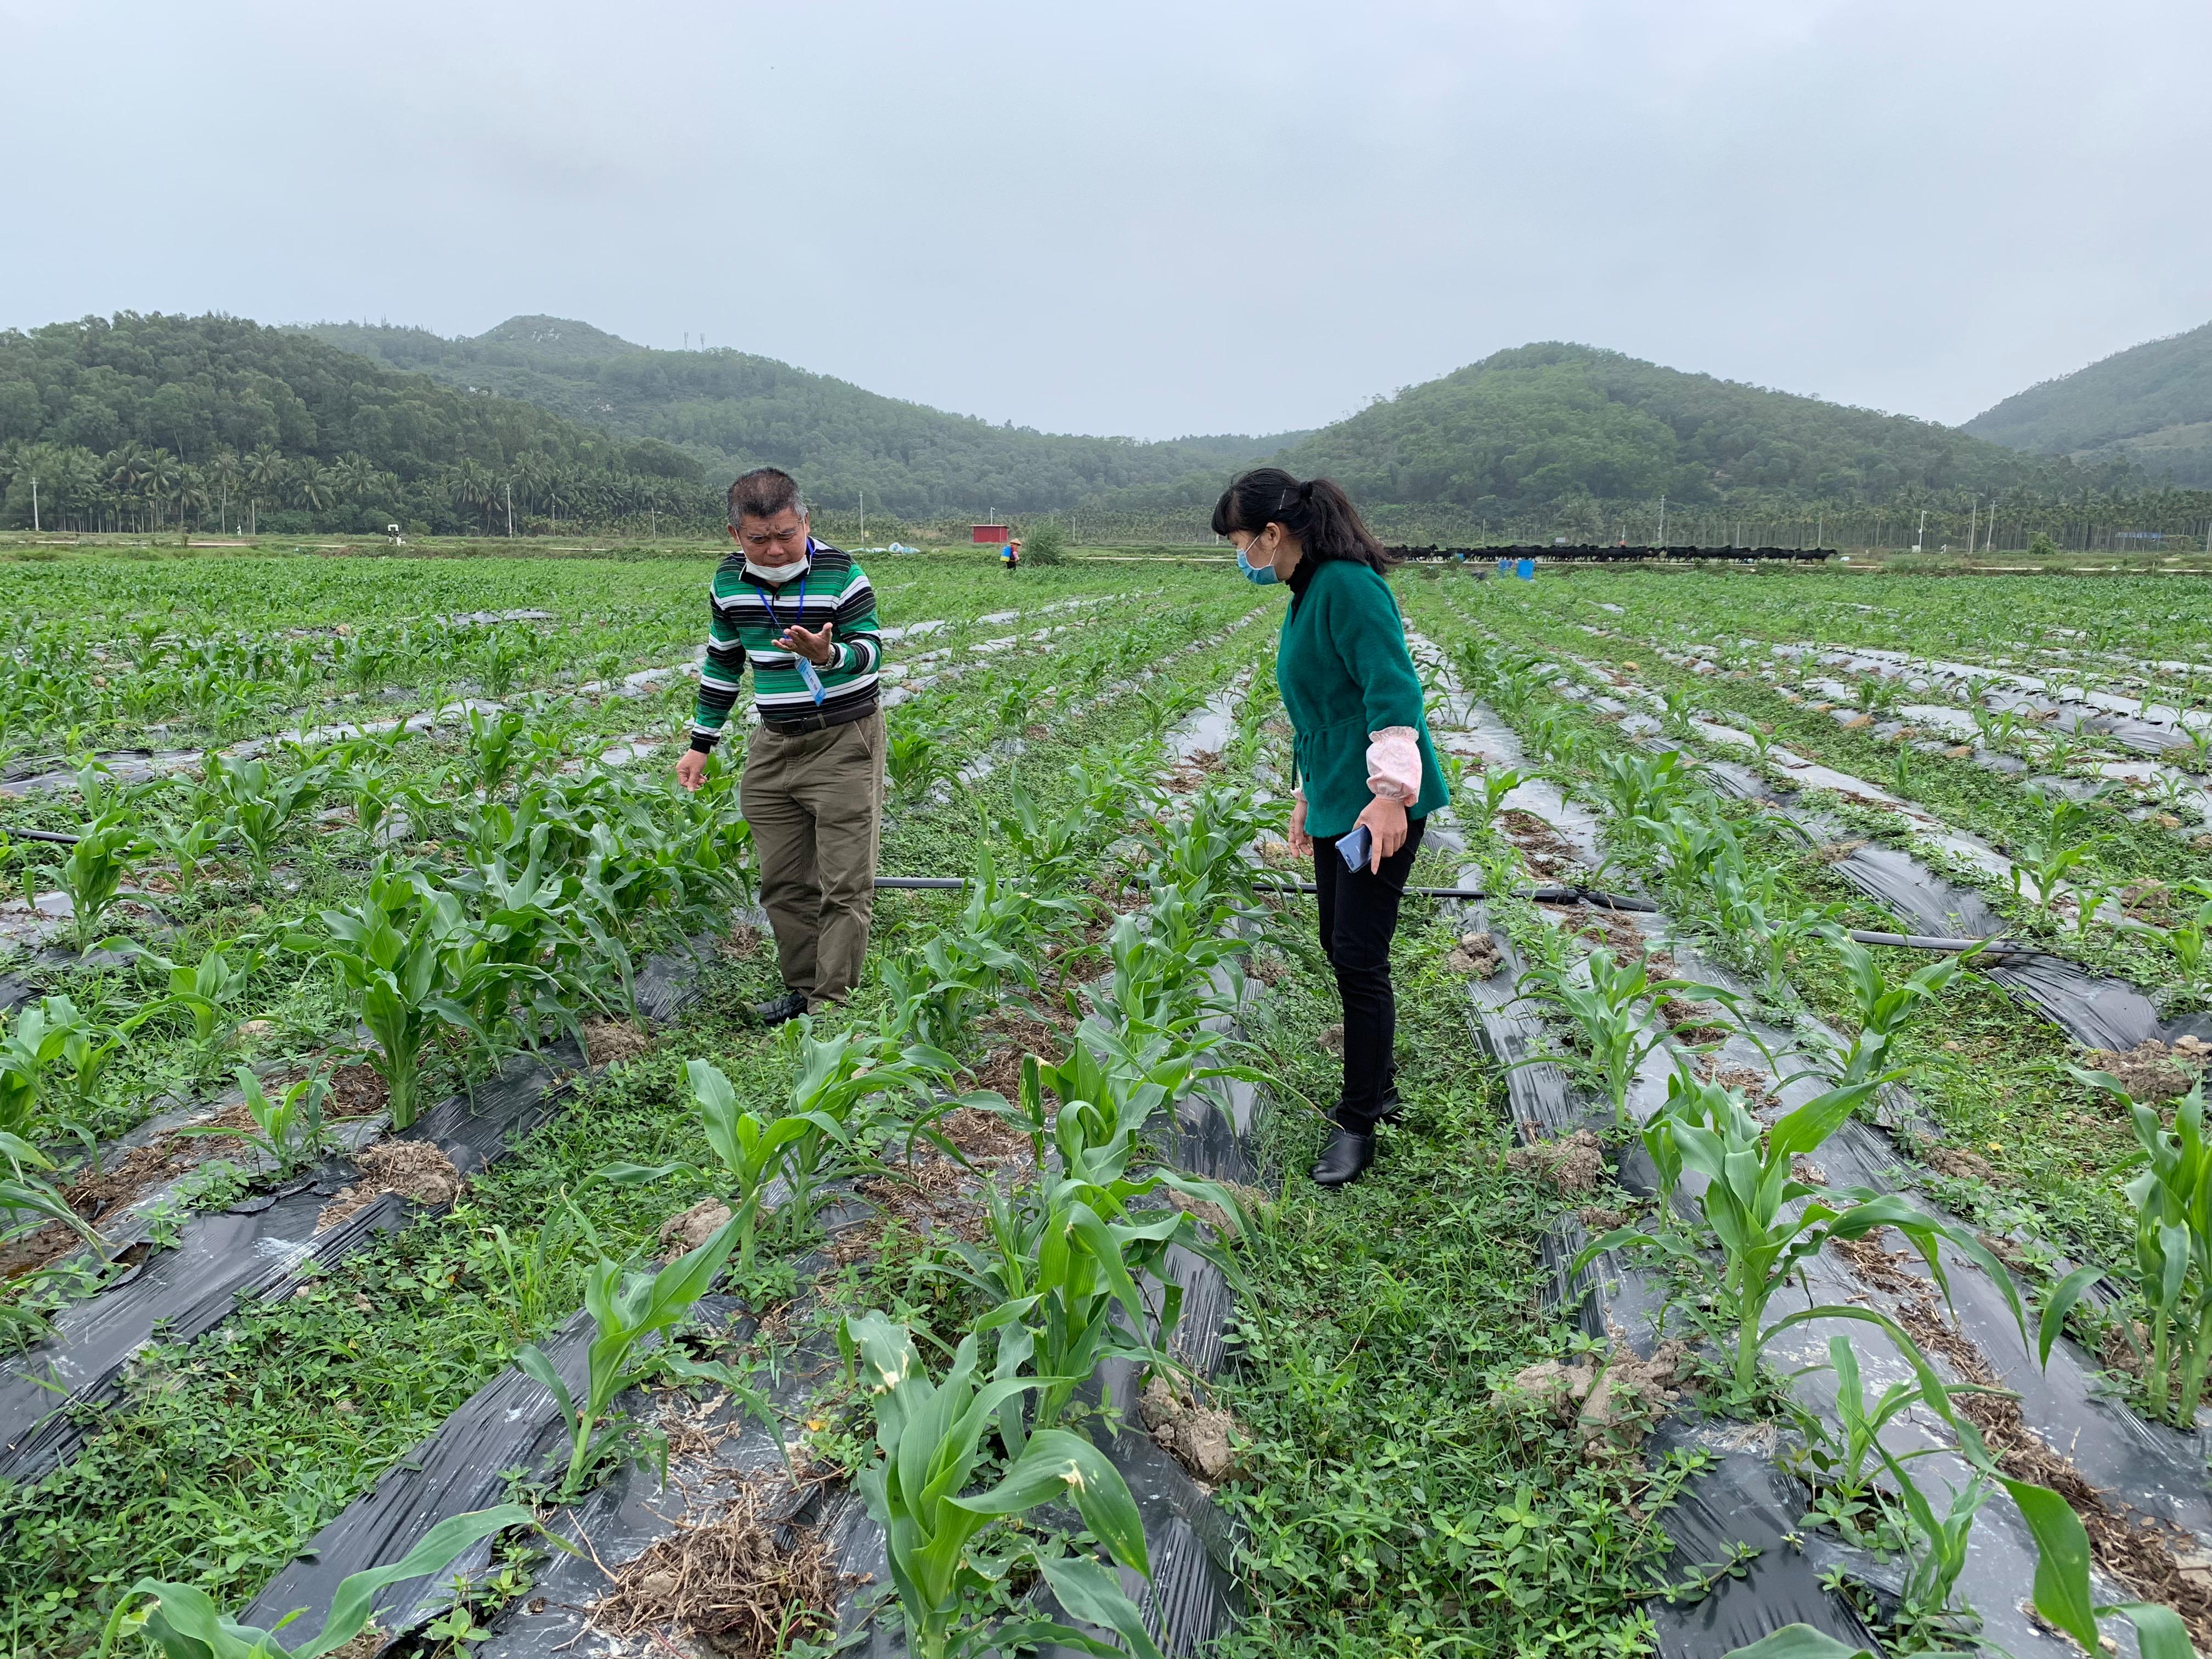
column 93, row 875
column 1603, row 1000
column 1841, row 1464
column 35, row 1053
column 288, row 1130
column 2063, row 840
column 1884, row 1008
column 392, row 957
column 191, row 845
column 28, row 1201
column 2173, row 1200
column 209, row 993
column 628, row 1305
column 2188, row 940
column 259, row 803
column 950, row 1574
column 753, row 1151
column 1480, row 812
column 1752, row 1204
column 915, row 757
column 181, row 1621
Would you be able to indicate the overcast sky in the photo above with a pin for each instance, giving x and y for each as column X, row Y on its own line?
column 1145, row 218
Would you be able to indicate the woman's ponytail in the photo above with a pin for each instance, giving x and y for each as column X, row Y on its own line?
column 1317, row 512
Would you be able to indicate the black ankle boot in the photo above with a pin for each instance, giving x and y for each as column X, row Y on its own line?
column 776, row 1009
column 1345, row 1159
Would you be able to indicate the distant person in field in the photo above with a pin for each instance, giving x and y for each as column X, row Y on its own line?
column 1364, row 762
column 1011, row 554
column 803, row 614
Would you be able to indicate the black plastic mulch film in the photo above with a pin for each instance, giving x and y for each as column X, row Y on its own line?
column 1748, row 1498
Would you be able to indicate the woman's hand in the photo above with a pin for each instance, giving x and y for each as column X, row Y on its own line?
column 1386, row 831
column 1301, row 842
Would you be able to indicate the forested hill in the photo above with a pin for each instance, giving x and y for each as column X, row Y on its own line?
column 142, row 421
column 2151, row 403
column 731, row 410
column 1542, row 423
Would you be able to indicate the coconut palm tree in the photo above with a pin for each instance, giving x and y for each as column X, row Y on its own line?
column 158, row 480
column 311, row 484
column 224, row 475
column 265, row 473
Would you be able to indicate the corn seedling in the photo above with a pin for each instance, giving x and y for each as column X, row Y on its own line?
column 914, row 758
column 392, row 954
column 2188, row 940
column 1497, row 785
column 28, row 1202
column 1751, row 1205
column 1936, row 1551
column 1841, row 1464
column 288, row 1130
column 260, row 803
column 2049, row 850
column 191, row 844
column 2172, row 1200
column 209, row 993
column 1883, row 1006
column 183, row 1622
column 93, row 875
column 1603, row 1000
column 753, row 1151
column 628, row 1305
column 928, row 1437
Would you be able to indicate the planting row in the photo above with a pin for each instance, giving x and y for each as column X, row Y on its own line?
column 1730, row 1153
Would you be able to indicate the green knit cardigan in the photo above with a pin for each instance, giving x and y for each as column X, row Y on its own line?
column 1345, row 672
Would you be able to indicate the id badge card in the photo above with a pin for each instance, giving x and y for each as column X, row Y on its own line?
column 807, row 677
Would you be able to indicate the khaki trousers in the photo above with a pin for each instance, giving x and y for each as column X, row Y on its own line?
column 815, row 800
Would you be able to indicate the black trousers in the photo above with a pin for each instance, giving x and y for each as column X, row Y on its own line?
column 1359, row 918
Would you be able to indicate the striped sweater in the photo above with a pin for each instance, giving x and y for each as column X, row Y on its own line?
column 747, row 614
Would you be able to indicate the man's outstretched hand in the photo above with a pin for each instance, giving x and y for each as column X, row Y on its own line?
column 815, row 647
column 691, row 769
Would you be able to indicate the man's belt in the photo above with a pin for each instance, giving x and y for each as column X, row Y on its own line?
column 821, row 719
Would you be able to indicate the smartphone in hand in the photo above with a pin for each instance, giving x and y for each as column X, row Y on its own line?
column 1354, row 848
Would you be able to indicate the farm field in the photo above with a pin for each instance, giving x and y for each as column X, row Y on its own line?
column 392, row 1164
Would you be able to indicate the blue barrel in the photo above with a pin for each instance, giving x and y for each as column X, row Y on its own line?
column 1526, row 570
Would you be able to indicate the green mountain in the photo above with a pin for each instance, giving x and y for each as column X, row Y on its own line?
column 2151, row 404
column 732, row 409
column 149, row 420
column 1542, row 423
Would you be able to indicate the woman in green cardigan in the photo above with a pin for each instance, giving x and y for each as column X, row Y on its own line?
column 1367, row 776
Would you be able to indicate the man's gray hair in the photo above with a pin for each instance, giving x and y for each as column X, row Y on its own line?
column 764, row 492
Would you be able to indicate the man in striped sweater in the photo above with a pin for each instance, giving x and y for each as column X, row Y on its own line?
column 802, row 613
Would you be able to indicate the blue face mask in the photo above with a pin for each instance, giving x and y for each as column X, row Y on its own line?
column 1258, row 575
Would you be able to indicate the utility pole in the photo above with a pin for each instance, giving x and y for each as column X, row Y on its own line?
column 34, row 504
column 510, row 507
column 864, row 517
column 1662, row 521
column 1920, row 536
column 1973, row 521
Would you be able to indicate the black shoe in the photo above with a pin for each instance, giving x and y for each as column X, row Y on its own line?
column 1389, row 1111
column 1345, row 1159
column 776, row 1009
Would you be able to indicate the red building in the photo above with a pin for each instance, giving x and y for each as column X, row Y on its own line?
column 993, row 533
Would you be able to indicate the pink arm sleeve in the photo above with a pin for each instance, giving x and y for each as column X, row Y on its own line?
column 1394, row 763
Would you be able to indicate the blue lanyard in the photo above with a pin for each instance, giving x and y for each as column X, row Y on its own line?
column 768, row 604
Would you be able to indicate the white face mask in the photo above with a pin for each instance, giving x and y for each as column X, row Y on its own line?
column 777, row 575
